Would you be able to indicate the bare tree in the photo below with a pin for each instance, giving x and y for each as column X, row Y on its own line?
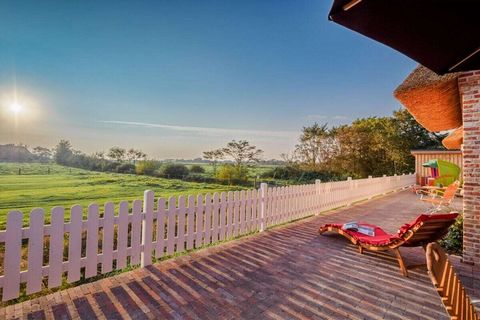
column 44, row 154
column 242, row 152
column 116, row 153
column 99, row 155
column 214, row 156
column 135, row 155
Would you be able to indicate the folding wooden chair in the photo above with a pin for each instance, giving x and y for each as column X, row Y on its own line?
column 441, row 199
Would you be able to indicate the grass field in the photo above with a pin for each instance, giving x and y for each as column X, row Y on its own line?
column 49, row 185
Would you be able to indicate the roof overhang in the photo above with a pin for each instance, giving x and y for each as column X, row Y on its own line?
column 418, row 152
column 454, row 140
column 433, row 100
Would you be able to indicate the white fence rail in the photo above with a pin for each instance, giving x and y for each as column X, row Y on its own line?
column 70, row 250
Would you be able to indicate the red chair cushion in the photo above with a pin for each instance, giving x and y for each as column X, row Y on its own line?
column 383, row 238
column 426, row 217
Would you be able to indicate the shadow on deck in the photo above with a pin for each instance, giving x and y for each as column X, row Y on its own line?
column 287, row 272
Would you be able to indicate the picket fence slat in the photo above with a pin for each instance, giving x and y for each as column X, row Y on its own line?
column 199, row 228
column 230, row 205
column 161, row 214
column 181, row 224
column 92, row 241
column 242, row 212
column 55, row 259
column 13, row 250
column 222, row 216
column 190, row 222
column 35, row 251
column 122, row 241
column 236, row 209
column 136, row 231
column 208, row 219
column 215, row 218
column 248, row 210
column 107, row 241
column 74, row 243
column 148, row 231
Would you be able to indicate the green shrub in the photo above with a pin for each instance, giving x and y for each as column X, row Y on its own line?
column 146, row 167
column 126, row 168
column 197, row 169
column 174, row 171
column 110, row 166
column 453, row 241
column 232, row 174
column 300, row 174
column 195, row 177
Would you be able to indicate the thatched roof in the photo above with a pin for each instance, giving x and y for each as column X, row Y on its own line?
column 433, row 100
column 454, row 140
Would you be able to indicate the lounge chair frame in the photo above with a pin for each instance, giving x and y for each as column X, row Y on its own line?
column 419, row 234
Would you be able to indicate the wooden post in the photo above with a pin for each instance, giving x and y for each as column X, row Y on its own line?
column 385, row 183
column 263, row 190
column 350, row 187
column 370, row 187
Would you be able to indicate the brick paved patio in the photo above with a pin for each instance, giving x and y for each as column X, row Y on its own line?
column 285, row 273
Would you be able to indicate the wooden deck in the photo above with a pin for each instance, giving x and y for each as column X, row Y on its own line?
column 288, row 272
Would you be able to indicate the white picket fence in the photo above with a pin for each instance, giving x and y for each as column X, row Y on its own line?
column 149, row 228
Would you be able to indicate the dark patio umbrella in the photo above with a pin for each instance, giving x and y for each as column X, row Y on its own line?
column 443, row 35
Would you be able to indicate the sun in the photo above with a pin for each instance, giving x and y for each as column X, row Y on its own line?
column 16, row 108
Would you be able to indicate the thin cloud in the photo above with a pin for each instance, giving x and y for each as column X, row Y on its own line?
column 206, row 130
column 325, row 117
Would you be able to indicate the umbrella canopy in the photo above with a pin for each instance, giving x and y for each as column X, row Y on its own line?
column 445, row 172
column 430, row 164
column 440, row 34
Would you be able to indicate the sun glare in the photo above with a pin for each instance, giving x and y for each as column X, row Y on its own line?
column 16, row 107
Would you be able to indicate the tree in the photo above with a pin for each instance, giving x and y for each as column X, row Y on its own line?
column 135, row 155
column 44, row 154
column 368, row 146
column 315, row 145
column 117, row 154
column 99, row 155
column 242, row 152
column 214, row 156
column 197, row 169
column 63, row 152
column 380, row 145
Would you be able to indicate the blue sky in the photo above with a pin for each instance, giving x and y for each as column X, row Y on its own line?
column 175, row 78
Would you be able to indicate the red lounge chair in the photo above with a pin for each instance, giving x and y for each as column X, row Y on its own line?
column 424, row 229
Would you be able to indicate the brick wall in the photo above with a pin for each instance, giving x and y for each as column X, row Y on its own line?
column 469, row 86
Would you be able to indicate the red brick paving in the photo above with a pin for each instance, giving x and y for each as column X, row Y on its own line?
column 285, row 273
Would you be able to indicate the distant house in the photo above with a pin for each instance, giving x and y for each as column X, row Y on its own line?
column 422, row 156
column 15, row 153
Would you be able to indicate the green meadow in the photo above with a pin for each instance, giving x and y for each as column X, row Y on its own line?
column 33, row 185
